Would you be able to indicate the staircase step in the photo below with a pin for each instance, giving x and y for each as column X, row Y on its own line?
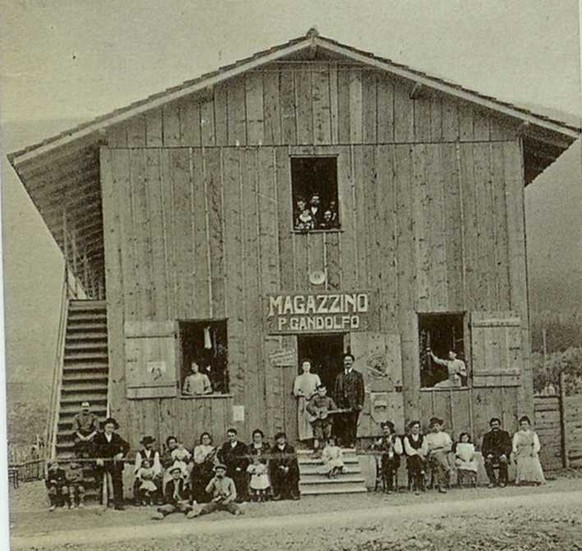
column 97, row 377
column 341, row 479
column 84, row 304
column 313, row 469
column 82, row 392
column 87, row 336
column 337, row 489
column 96, row 327
column 349, row 460
column 96, row 365
column 81, row 345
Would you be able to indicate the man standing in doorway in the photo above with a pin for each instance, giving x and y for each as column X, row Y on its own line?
column 348, row 394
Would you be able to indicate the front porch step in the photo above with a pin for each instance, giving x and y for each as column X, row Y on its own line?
column 315, row 490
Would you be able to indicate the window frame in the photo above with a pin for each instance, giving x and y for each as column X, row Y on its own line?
column 182, row 367
column 465, row 317
column 326, row 155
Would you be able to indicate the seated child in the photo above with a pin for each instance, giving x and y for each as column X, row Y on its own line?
column 333, row 462
column 319, row 407
column 175, row 496
column 56, row 484
column 439, row 445
column 146, row 486
column 76, row 485
column 466, row 460
column 391, row 447
column 223, row 493
column 259, row 483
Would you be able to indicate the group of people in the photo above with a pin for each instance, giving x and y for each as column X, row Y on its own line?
column 434, row 454
column 315, row 216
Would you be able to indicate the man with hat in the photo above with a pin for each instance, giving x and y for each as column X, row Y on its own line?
column 284, row 469
column 110, row 450
column 148, row 452
column 223, row 492
column 390, row 445
column 175, row 496
column 439, row 445
column 85, row 427
column 348, row 394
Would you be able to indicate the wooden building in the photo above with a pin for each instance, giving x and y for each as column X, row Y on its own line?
column 180, row 212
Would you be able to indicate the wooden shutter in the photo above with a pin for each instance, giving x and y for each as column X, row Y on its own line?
column 377, row 357
column 151, row 369
column 496, row 351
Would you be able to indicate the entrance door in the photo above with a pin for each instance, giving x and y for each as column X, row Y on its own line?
column 325, row 353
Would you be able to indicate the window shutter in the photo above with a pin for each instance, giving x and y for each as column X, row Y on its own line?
column 496, row 352
column 151, row 368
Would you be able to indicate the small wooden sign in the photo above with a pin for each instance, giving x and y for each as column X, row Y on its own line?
column 283, row 358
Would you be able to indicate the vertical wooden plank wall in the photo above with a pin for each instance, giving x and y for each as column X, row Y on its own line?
column 197, row 199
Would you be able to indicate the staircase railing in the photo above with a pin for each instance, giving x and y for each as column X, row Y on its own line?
column 53, row 418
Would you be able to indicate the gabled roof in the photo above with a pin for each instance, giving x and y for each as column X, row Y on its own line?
column 312, row 40
column 61, row 173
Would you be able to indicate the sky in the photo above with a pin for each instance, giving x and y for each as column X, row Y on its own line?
column 66, row 61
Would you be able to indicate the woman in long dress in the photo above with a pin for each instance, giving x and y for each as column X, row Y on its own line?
column 303, row 389
column 526, row 446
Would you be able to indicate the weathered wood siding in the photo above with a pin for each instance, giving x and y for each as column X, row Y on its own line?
column 312, row 103
column 198, row 220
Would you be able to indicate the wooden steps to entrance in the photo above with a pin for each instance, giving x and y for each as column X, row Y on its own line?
column 311, row 482
column 84, row 376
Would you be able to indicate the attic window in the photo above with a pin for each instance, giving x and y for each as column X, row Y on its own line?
column 315, row 193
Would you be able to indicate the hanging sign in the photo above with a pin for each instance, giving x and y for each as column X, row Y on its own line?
column 317, row 312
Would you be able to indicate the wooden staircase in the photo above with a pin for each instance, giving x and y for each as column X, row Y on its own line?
column 311, row 482
column 84, row 374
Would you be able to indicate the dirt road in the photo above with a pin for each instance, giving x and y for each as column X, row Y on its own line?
column 536, row 520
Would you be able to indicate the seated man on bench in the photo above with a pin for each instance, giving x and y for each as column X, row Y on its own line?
column 496, row 450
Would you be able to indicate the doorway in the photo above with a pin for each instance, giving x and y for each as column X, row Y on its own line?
column 325, row 353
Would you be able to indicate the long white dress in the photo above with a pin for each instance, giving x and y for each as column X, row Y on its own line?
column 303, row 389
column 526, row 447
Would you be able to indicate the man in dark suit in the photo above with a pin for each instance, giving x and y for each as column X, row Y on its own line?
column 496, row 450
column 348, row 394
column 110, row 450
column 175, row 496
column 284, row 469
column 234, row 455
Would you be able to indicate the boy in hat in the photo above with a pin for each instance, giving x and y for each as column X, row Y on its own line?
column 110, row 450
column 391, row 447
column 319, row 407
column 56, row 485
column 439, row 445
column 85, row 428
column 75, row 484
column 175, row 496
column 223, row 493
column 416, row 451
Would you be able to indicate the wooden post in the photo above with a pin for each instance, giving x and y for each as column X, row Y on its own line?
column 563, row 434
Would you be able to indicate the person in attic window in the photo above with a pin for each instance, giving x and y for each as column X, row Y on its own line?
column 304, row 220
column 327, row 223
column 315, row 209
column 196, row 383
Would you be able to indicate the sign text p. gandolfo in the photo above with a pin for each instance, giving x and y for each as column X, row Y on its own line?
column 317, row 312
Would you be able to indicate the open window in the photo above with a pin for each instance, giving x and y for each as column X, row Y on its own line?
column 203, row 343
column 315, row 193
column 442, row 350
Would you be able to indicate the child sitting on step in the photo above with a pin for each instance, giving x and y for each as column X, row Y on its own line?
column 75, row 484
column 333, row 461
column 56, row 485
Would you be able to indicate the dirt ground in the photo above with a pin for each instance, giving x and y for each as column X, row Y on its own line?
column 535, row 519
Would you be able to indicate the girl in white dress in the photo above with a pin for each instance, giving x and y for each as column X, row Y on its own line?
column 466, row 460
column 304, row 389
column 333, row 459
